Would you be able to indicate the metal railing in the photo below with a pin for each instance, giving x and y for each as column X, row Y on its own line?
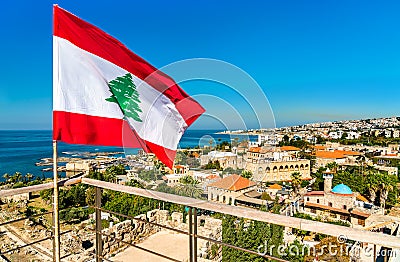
column 360, row 235
column 355, row 234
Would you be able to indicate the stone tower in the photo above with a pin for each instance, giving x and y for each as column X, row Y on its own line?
column 328, row 177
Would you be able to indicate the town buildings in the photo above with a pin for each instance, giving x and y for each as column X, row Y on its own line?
column 269, row 164
column 338, row 203
column 225, row 159
column 232, row 189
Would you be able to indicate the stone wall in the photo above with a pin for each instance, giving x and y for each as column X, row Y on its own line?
column 134, row 231
column 16, row 198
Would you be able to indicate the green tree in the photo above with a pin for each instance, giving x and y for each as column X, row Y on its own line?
column 213, row 165
column 385, row 187
column 336, row 252
column 17, row 177
column 188, row 186
column 333, row 166
column 296, row 181
column 29, row 177
column 286, row 139
column 372, row 184
column 134, row 183
column 246, row 174
column 224, row 146
column 90, row 196
column 6, row 177
column 253, row 235
column 181, row 158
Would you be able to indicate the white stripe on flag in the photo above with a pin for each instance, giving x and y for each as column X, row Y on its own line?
column 82, row 87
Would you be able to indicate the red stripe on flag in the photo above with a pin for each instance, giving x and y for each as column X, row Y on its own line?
column 165, row 155
column 92, row 39
column 74, row 128
column 77, row 128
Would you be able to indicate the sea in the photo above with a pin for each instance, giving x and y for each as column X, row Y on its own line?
column 21, row 149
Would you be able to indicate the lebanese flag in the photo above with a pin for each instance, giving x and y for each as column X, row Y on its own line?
column 104, row 94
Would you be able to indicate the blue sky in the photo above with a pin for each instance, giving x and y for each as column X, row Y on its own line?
column 315, row 60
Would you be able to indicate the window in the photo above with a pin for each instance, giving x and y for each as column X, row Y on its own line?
column 313, row 211
column 308, row 199
column 344, row 207
column 330, row 204
column 361, row 222
column 317, row 201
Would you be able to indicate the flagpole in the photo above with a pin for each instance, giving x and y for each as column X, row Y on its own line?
column 56, row 220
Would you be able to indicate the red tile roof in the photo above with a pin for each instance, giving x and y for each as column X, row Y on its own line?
column 362, row 198
column 255, row 149
column 335, row 154
column 213, row 176
column 233, row 183
column 290, row 148
column 275, row 186
column 320, row 147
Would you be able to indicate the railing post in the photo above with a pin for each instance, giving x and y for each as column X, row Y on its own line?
column 190, row 235
column 194, row 234
column 99, row 242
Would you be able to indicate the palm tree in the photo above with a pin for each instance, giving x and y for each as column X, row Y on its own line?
column 18, row 176
column 29, row 176
column 296, row 181
column 385, row 188
column 372, row 182
column 211, row 141
column 361, row 160
column 189, row 187
column 247, row 174
column 6, row 177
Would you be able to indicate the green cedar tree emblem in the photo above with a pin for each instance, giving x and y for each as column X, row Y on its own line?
column 124, row 93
